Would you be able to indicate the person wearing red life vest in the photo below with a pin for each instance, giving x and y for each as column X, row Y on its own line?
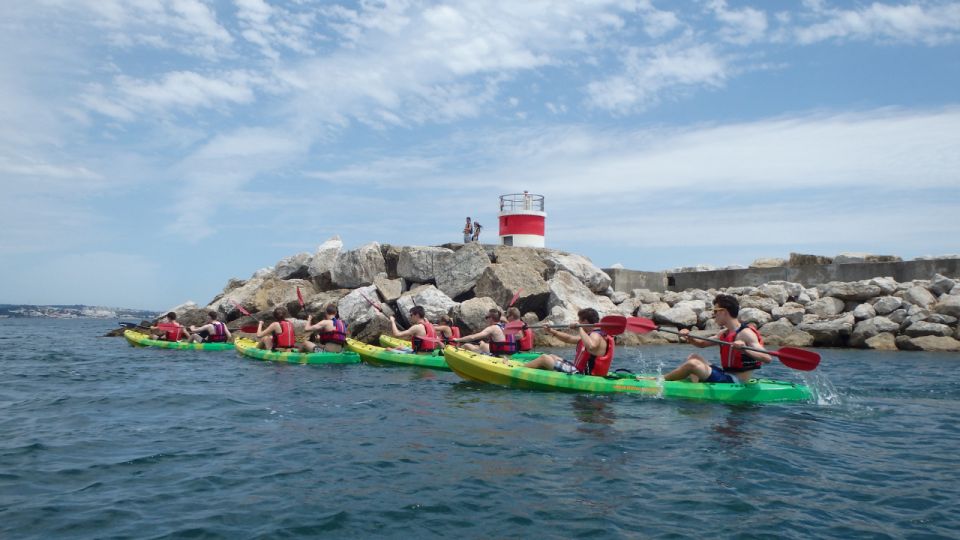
column 494, row 341
column 278, row 334
column 331, row 332
column 736, row 364
column 168, row 329
column 525, row 338
column 594, row 348
column 446, row 330
column 420, row 328
column 212, row 332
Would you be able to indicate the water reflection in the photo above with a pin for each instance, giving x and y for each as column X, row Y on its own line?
column 593, row 409
column 734, row 430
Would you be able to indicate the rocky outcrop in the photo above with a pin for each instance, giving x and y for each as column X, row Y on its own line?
column 458, row 274
column 580, row 267
column 358, row 267
column 421, row 264
column 501, row 281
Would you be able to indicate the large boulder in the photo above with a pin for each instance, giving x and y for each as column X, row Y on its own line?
column 781, row 333
column 458, row 274
column 282, row 292
column 758, row 302
column 791, row 311
column 887, row 304
column 389, row 289
column 884, row 341
column 949, row 304
column 941, row 284
column 434, row 303
column 923, row 328
column 754, row 315
column 801, row 259
column 293, row 267
column 321, row 264
column 870, row 328
column 522, row 256
column 358, row 267
column 646, row 296
column 579, row 266
column 501, row 281
column 316, row 303
column 391, row 258
column 768, row 262
column 242, row 295
column 864, row 311
column 919, row 296
column 887, row 284
column 680, row 316
column 359, row 306
column 422, row 264
column 569, row 295
column 928, row 343
column 826, row 307
column 471, row 313
column 830, row 333
column 776, row 292
column 855, row 290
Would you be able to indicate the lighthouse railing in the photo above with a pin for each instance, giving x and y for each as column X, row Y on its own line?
column 514, row 202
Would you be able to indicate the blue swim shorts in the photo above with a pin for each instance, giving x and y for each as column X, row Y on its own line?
column 718, row 375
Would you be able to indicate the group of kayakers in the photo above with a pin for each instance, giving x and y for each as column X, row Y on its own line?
column 594, row 346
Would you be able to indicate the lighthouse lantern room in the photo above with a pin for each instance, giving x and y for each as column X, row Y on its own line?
column 522, row 220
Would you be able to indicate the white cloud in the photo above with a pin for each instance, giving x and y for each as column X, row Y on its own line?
column 740, row 26
column 934, row 24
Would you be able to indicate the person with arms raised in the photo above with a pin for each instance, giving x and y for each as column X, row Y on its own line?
column 331, row 332
column 594, row 348
column 736, row 364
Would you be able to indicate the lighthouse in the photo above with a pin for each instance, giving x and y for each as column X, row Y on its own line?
column 522, row 220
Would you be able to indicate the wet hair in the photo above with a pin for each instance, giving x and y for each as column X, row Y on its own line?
column 494, row 314
column 513, row 313
column 213, row 315
column 172, row 316
column 418, row 311
column 589, row 314
column 331, row 310
column 279, row 313
column 728, row 303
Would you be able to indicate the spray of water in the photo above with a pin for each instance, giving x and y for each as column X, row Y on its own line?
column 823, row 390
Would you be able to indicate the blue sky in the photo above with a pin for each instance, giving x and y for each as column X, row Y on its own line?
column 152, row 149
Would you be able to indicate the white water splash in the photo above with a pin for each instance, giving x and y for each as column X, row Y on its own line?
column 823, row 390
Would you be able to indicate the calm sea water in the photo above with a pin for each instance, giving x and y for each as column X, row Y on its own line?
column 101, row 440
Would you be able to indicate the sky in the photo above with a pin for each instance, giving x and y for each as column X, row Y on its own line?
column 150, row 150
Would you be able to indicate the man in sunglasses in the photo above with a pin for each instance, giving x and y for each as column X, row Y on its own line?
column 736, row 364
column 495, row 343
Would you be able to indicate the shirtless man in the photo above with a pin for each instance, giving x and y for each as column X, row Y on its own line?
column 420, row 328
column 495, row 343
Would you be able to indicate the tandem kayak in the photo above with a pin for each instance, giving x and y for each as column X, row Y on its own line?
column 478, row 367
column 390, row 341
column 248, row 347
column 382, row 356
column 139, row 339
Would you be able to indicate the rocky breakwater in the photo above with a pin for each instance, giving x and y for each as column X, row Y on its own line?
column 373, row 281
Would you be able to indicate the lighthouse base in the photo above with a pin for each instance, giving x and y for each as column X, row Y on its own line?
column 522, row 240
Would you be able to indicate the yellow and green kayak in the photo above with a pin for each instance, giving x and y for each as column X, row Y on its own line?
column 511, row 373
column 139, row 339
column 248, row 347
column 433, row 360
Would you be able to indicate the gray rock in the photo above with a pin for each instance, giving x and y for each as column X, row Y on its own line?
column 697, row 306
column 676, row 316
column 569, row 295
column 357, row 311
column 887, row 304
column 391, row 257
column 942, row 319
column 922, row 328
column 263, row 273
column 949, row 304
column 434, row 302
column 421, row 264
column 293, row 267
column 389, row 289
column 581, row 267
column 800, row 259
column 242, row 295
column 768, row 262
column 618, row 297
column 887, row 284
column 919, row 296
column 741, row 291
column 317, row 303
column 649, row 310
column 928, row 343
column 870, row 328
column 856, row 290
column 813, row 293
column 830, row 333
column 791, row 311
column 758, row 302
column 754, row 315
column 672, row 297
column 370, row 331
column 321, row 264
column 781, row 333
column 358, row 267
column 646, row 296
column 471, row 313
column 793, row 289
column 864, row 311
column 884, row 341
column 825, row 307
column 459, row 273
column 501, row 281
column 776, row 292
column 523, row 256
column 898, row 315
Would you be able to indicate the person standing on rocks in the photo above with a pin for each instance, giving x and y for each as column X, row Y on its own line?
column 594, row 348
column 476, row 230
column 278, row 334
column 495, row 342
column 736, row 364
column 420, row 328
column 332, row 333
column 467, row 231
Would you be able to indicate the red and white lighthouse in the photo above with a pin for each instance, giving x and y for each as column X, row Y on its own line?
column 522, row 220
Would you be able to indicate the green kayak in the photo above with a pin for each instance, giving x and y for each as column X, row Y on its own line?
column 139, row 339
column 248, row 348
column 424, row 359
column 478, row 367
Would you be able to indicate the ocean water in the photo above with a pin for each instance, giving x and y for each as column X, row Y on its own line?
column 102, row 440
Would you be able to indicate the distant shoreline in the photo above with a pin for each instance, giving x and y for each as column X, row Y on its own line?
column 75, row 311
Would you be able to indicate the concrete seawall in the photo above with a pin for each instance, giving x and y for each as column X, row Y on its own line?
column 808, row 275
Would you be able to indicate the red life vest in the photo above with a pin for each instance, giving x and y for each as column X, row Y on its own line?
column 173, row 330
column 219, row 332
column 589, row 364
column 285, row 339
column 454, row 334
column 526, row 342
column 499, row 348
column 420, row 345
column 734, row 360
column 337, row 335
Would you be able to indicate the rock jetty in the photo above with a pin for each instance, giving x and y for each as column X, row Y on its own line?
column 465, row 280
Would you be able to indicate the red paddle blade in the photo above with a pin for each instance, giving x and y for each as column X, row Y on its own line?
column 248, row 329
column 242, row 310
column 515, row 298
column 614, row 324
column 513, row 327
column 369, row 301
column 801, row 359
column 299, row 297
column 640, row 325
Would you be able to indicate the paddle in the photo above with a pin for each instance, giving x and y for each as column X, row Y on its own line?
column 300, row 298
column 514, row 299
column 241, row 308
column 792, row 357
column 611, row 324
column 378, row 308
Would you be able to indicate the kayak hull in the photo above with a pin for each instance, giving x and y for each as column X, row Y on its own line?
column 248, row 348
column 381, row 356
column 510, row 373
column 139, row 339
column 390, row 341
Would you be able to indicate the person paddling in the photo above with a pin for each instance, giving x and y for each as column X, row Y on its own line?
column 420, row 328
column 525, row 337
column 736, row 364
column 278, row 334
column 212, row 332
column 332, row 334
column 495, row 341
column 169, row 329
column 446, row 330
column 594, row 348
